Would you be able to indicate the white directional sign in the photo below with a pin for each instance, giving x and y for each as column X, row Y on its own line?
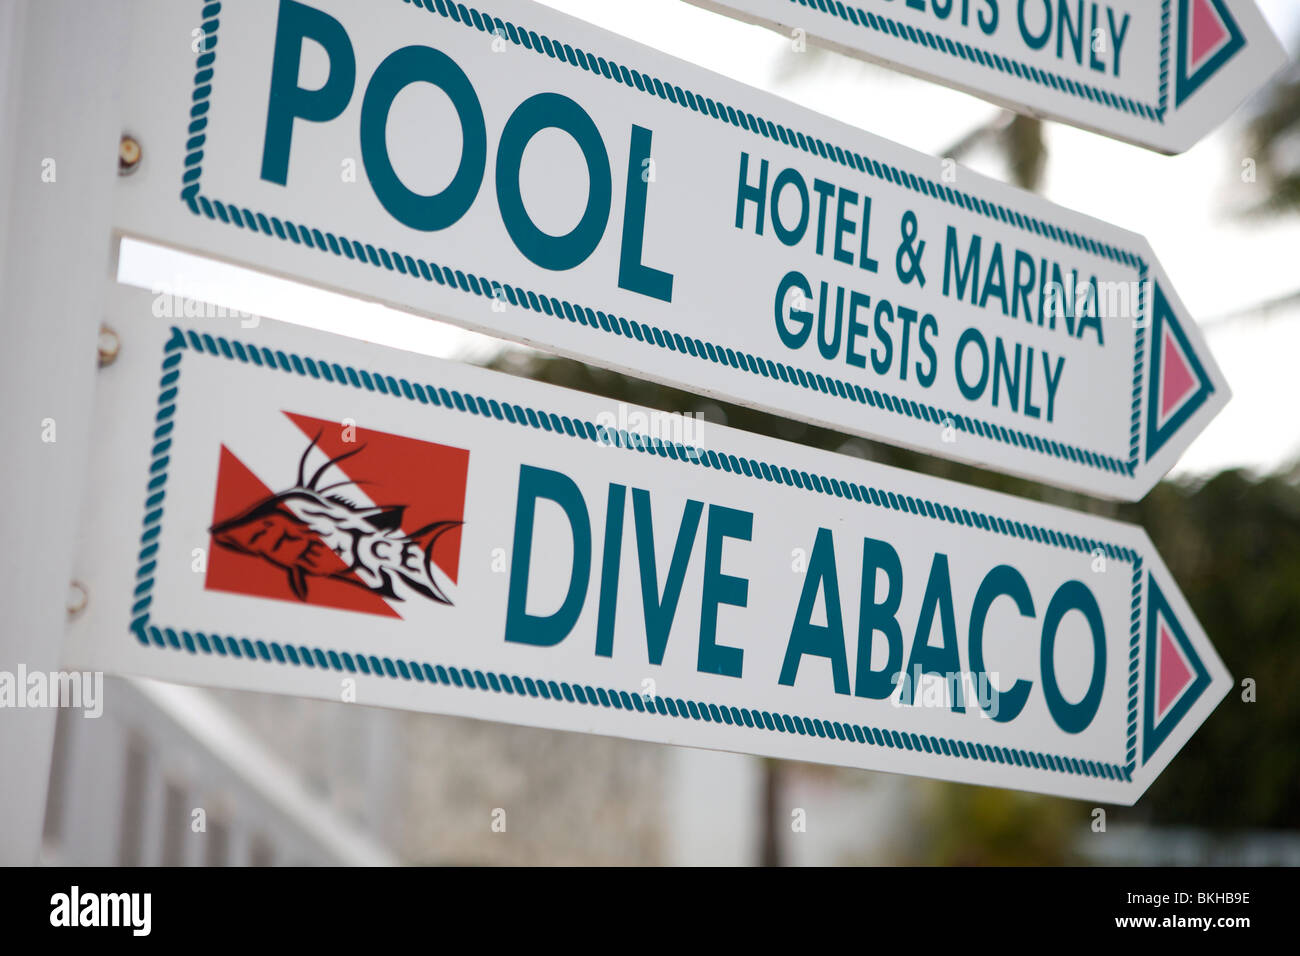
column 1158, row 73
column 527, row 175
column 282, row 510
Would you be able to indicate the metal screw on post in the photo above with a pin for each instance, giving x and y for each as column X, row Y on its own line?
column 109, row 345
column 128, row 155
column 77, row 598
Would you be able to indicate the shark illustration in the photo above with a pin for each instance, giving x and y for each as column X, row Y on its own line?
column 296, row 530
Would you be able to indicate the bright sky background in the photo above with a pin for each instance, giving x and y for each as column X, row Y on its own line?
column 1218, row 261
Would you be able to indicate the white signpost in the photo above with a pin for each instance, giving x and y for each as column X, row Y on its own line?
column 515, row 171
column 299, row 513
column 1157, row 73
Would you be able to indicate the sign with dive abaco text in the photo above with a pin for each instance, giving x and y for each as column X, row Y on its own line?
column 302, row 513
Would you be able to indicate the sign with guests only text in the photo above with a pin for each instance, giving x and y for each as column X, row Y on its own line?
column 305, row 514
column 518, row 172
column 1158, row 73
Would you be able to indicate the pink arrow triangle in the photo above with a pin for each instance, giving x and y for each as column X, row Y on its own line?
column 1177, row 380
column 1208, row 32
column 1174, row 674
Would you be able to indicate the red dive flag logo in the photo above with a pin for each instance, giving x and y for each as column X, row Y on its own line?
column 357, row 519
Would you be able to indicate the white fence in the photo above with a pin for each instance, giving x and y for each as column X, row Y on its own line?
column 166, row 776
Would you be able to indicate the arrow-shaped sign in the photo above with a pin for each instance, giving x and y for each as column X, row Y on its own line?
column 284, row 510
column 1157, row 73
column 518, row 172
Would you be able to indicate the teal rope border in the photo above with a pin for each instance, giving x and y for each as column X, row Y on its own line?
column 418, row 268
column 899, row 30
column 194, row 642
column 1135, row 640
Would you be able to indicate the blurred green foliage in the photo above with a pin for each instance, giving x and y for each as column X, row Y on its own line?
column 982, row 826
column 1271, row 141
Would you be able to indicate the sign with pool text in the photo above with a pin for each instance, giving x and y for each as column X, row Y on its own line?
column 518, row 172
column 1158, row 73
column 283, row 510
